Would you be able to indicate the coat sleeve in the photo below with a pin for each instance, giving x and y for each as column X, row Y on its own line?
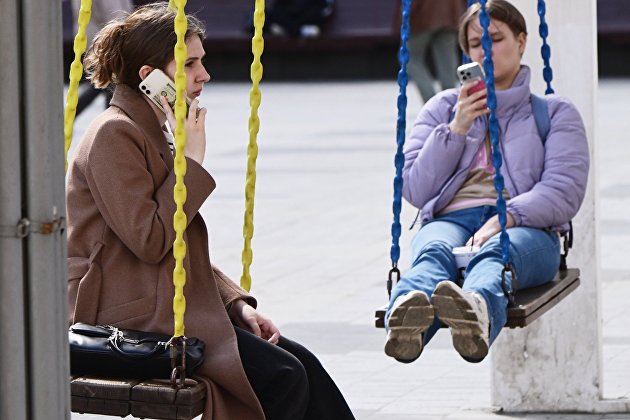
column 432, row 152
column 557, row 197
column 139, row 212
column 229, row 290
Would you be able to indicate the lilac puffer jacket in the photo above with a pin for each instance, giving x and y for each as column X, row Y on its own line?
column 546, row 183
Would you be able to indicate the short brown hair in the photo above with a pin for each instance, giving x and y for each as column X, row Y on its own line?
column 500, row 10
column 145, row 36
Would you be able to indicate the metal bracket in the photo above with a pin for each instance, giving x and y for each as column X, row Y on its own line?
column 178, row 373
column 392, row 278
column 25, row 227
column 509, row 293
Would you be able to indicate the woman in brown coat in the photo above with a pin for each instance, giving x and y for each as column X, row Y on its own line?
column 120, row 234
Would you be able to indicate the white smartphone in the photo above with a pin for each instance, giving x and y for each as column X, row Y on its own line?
column 158, row 84
column 472, row 72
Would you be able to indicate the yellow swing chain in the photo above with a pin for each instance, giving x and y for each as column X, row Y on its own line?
column 256, row 72
column 76, row 71
column 179, row 192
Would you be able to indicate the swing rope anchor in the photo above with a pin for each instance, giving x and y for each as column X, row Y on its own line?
column 393, row 273
column 178, row 373
column 509, row 293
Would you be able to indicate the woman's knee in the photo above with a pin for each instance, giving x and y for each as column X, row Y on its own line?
column 287, row 394
column 293, row 380
column 308, row 360
column 436, row 249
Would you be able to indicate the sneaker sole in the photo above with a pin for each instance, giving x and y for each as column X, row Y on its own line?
column 406, row 325
column 455, row 311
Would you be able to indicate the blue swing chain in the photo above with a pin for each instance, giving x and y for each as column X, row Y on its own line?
column 399, row 159
column 545, row 50
column 497, row 159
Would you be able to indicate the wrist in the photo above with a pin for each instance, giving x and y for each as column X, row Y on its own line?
column 194, row 156
column 455, row 129
column 510, row 220
column 235, row 307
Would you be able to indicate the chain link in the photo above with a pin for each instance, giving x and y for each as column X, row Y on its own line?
column 401, row 125
column 76, row 72
column 493, row 125
column 256, row 72
column 545, row 50
column 179, row 191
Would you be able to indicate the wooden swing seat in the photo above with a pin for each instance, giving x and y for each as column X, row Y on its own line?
column 529, row 304
column 140, row 398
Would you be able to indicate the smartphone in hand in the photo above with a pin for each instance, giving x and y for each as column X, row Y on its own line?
column 158, row 84
column 472, row 72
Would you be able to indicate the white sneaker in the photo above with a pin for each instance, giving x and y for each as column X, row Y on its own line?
column 466, row 313
column 411, row 315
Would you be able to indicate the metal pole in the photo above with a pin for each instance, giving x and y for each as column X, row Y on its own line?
column 554, row 365
column 13, row 379
column 45, row 262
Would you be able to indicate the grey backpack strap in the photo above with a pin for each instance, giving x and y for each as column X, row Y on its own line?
column 540, row 109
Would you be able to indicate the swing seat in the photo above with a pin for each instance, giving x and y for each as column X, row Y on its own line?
column 140, row 398
column 529, row 304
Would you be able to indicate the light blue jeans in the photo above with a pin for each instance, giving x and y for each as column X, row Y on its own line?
column 535, row 256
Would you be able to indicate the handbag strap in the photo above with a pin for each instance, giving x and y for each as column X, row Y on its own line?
column 117, row 338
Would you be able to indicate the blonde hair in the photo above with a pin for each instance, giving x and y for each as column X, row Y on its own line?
column 500, row 10
column 122, row 47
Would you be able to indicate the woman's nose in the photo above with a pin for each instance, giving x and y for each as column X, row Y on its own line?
column 204, row 76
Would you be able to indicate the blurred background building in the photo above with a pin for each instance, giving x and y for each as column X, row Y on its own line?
column 358, row 41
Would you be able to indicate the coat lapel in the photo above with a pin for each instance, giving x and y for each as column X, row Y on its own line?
column 138, row 109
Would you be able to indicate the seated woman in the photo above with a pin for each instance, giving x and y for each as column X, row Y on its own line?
column 448, row 174
column 120, row 234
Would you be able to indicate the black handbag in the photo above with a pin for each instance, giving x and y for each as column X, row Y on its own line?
column 107, row 351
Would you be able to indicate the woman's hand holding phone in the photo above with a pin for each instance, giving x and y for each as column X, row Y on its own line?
column 470, row 105
column 489, row 229
column 195, row 125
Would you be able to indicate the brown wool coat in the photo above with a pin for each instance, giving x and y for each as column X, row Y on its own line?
column 120, row 233
column 431, row 14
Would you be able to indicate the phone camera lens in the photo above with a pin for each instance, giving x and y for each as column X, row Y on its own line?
column 148, row 92
column 143, row 87
column 468, row 73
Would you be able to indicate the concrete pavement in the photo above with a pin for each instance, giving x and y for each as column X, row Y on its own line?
column 321, row 241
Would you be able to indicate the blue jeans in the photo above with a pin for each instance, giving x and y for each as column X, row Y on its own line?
column 535, row 256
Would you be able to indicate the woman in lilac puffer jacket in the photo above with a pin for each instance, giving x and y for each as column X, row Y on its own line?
column 448, row 175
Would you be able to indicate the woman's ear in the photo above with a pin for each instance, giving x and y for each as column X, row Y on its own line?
column 144, row 71
column 522, row 42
